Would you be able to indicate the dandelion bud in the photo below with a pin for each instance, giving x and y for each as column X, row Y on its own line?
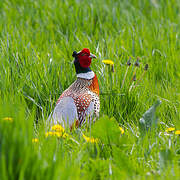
column 74, row 54
column 146, row 67
column 134, row 77
column 137, row 64
column 129, row 62
column 112, row 68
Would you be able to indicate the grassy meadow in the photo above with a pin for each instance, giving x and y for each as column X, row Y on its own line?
column 37, row 39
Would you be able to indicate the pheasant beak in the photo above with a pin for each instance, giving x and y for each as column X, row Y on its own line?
column 92, row 56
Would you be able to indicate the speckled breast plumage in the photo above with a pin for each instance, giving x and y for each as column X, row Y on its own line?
column 84, row 100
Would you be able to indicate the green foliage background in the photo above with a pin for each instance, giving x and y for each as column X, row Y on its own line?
column 37, row 39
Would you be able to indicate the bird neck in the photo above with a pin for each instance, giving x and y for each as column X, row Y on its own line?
column 87, row 75
column 94, row 87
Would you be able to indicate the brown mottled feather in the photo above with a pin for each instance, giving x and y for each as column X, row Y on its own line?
column 80, row 91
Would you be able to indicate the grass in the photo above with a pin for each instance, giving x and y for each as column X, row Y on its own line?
column 37, row 39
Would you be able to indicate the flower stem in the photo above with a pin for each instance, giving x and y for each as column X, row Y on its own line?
column 124, row 77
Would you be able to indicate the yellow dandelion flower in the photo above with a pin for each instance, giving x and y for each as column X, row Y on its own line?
column 9, row 119
column 57, row 128
column 177, row 132
column 108, row 62
column 121, row 129
column 65, row 135
column 51, row 133
column 91, row 140
column 170, row 129
column 35, row 140
column 56, row 134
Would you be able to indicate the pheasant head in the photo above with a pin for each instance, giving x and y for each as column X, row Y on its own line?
column 82, row 60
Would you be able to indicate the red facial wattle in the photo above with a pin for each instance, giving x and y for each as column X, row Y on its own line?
column 85, row 61
column 84, row 58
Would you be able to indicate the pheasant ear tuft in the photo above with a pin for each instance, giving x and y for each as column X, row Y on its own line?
column 74, row 54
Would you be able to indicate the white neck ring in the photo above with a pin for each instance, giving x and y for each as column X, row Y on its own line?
column 88, row 75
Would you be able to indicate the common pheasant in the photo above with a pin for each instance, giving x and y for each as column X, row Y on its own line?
column 80, row 102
